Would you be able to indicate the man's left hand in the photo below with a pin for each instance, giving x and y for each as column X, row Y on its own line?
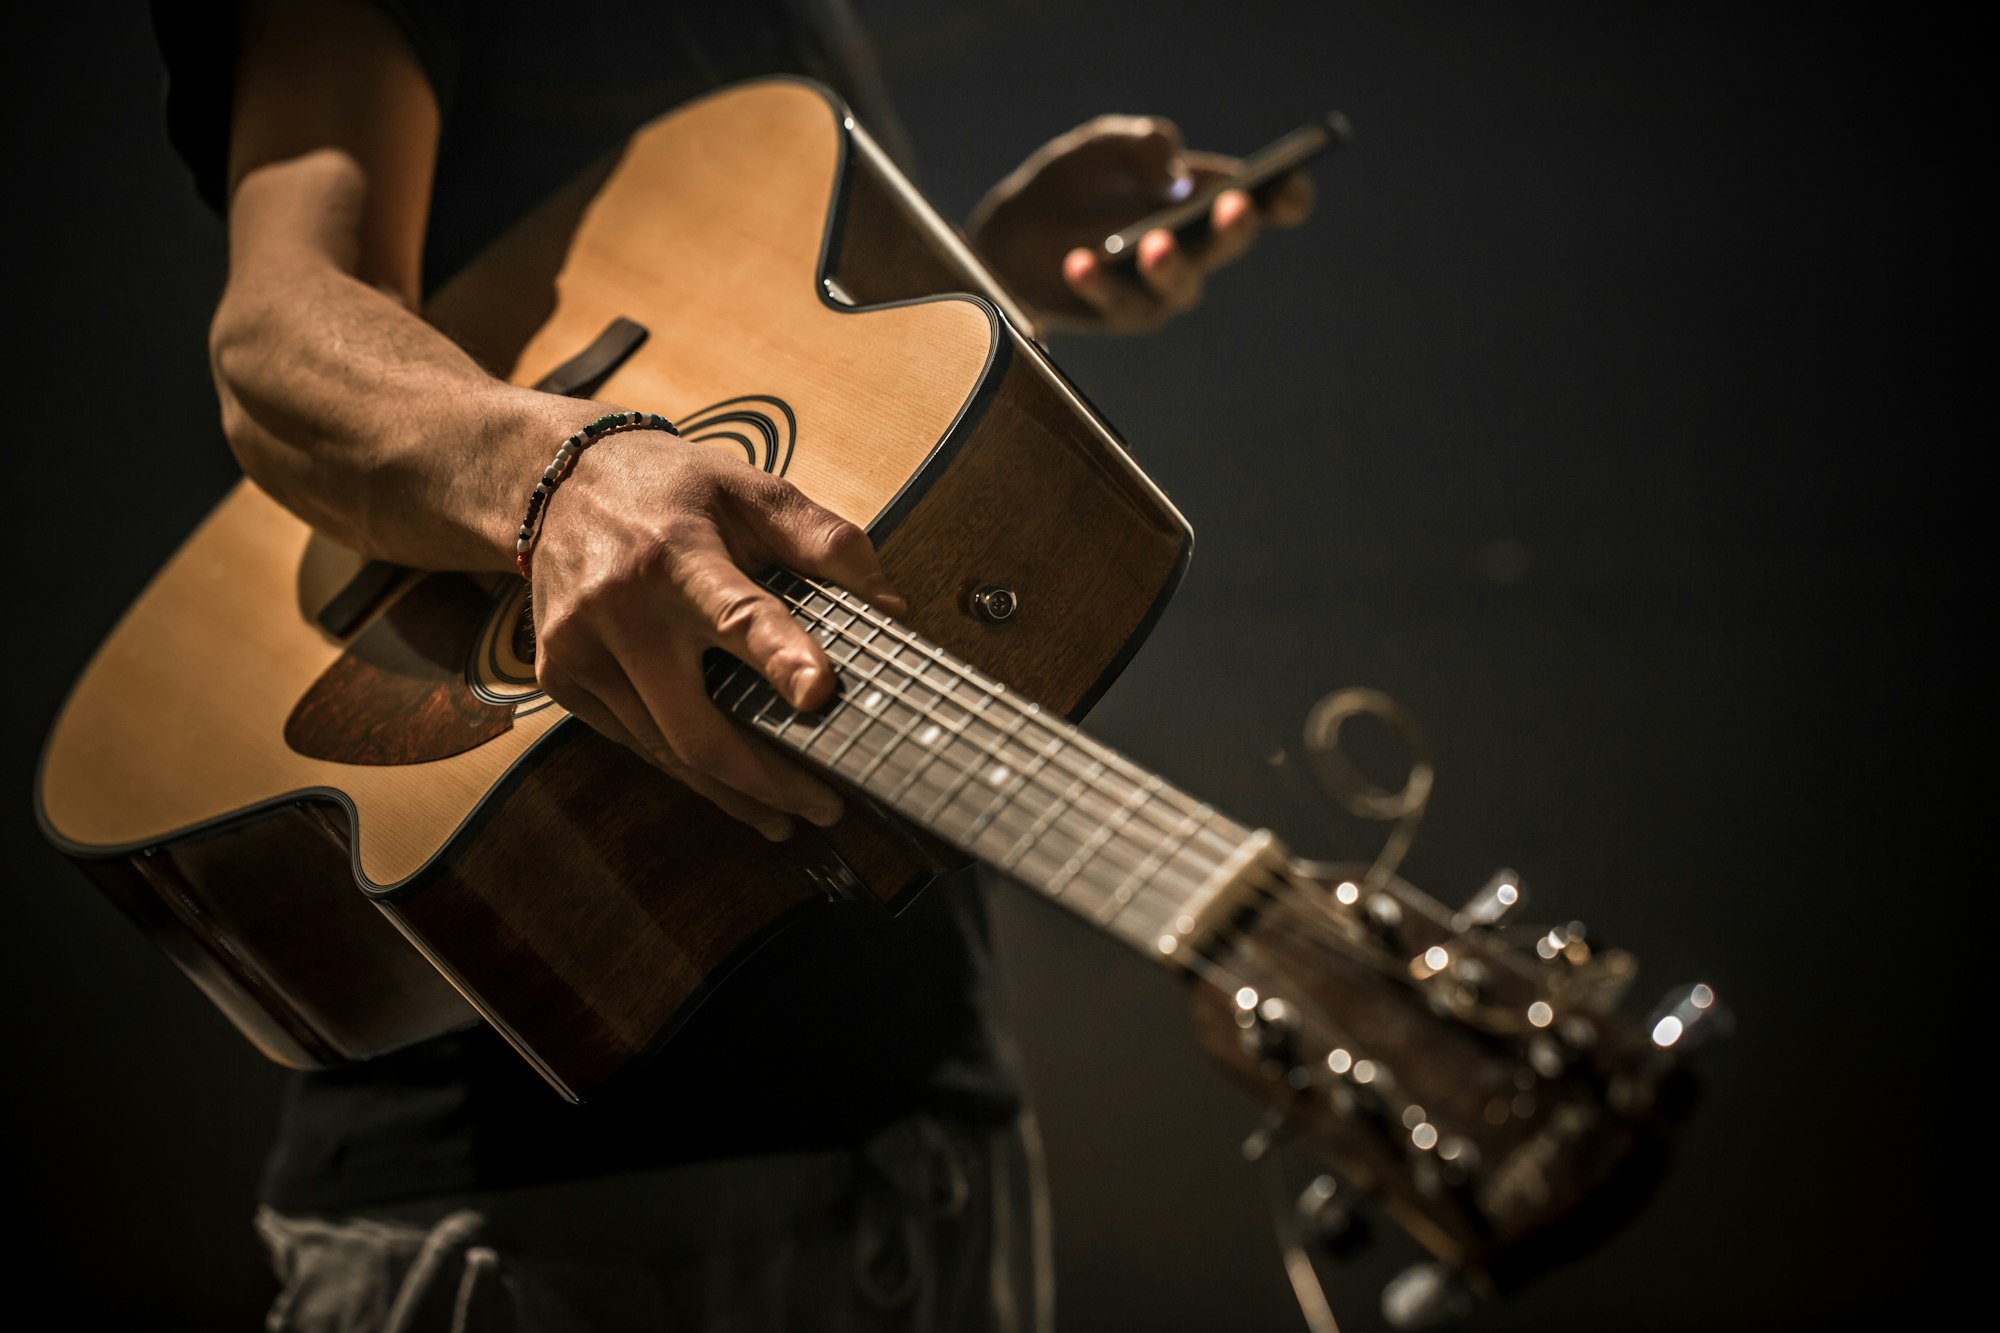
column 1041, row 226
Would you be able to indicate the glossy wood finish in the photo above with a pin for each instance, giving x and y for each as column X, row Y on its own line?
column 580, row 900
column 595, row 901
column 598, row 903
column 264, row 917
column 877, row 252
column 1036, row 502
column 708, row 231
column 179, row 721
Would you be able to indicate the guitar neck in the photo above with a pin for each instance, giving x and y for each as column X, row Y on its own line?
column 966, row 759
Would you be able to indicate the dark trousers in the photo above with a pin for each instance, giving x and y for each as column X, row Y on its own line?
column 931, row 1225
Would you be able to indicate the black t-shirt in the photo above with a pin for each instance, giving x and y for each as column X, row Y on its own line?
column 844, row 1021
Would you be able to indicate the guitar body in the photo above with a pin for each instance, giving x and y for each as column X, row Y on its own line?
column 290, row 779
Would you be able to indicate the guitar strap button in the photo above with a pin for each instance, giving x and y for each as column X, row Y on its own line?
column 994, row 602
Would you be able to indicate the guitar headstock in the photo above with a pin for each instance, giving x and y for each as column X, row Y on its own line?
column 1471, row 1076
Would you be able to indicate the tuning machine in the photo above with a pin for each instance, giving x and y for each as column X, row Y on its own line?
column 1686, row 1017
column 1270, row 1032
column 1494, row 902
column 1330, row 1217
column 1457, row 971
column 1379, row 914
column 1427, row 1295
column 1587, row 975
column 1565, row 944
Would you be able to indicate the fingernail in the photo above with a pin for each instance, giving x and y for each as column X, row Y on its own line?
column 777, row 830
column 827, row 815
column 803, row 682
column 885, row 596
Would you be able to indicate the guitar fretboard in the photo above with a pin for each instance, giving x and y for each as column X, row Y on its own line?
column 967, row 759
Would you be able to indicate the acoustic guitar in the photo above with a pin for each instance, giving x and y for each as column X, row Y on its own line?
column 334, row 793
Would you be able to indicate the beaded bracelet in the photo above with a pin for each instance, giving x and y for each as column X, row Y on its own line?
column 565, row 460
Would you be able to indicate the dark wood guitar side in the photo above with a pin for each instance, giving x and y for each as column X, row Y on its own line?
column 589, row 960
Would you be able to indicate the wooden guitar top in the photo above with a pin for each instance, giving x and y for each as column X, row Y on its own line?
column 711, row 230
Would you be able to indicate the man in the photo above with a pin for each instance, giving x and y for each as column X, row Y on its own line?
column 835, row 1141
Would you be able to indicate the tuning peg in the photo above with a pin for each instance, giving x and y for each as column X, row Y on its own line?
column 1686, row 1017
column 1270, row 1029
column 1265, row 1136
column 1383, row 916
column 1488, row 907
column 1427, row 1295
column 1570, row 943
column 1330, row 1217
column 1270, row 1033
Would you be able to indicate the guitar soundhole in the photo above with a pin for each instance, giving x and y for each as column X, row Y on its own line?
column 399, row 693
column 524, row 635
column 501, row 669
column 762, row 425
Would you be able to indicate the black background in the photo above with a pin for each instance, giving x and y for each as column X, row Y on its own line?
column 1609, row 415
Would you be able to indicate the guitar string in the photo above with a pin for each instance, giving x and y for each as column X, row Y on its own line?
column 1064, row 737
column 1328, row 928
column 1029, row 715
column 1072, row 799
column 1330, row 931
column 1214, row 968
column 1059, row 733
column 1216, row 959
column 1143, row 875
column 920, row 783
column 1319, row 918
column 1138, row 875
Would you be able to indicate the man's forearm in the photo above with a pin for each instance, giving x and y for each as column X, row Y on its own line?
column 356, row 414
column 373, row 426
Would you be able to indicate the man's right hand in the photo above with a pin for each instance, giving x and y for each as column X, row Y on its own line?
column 640, row 570
column 372, row 425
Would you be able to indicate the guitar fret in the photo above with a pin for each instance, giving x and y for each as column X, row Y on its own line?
column 1085, row 747
column 1078, row 741
column 875, row 676
column 857, row 709
column 1126, row 809
column 760, row 717
column 853, row 719
column 833, row 760
column 1122, row 895
column 1075, row 821
column 965, row 777
column 1048, row 819
column 952, row 731
column 1021, row 782
column 957, row 754
column 869, row 711
column 1010, row 734
column 1075, row 861
column 895, row 743
column 907, row 749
